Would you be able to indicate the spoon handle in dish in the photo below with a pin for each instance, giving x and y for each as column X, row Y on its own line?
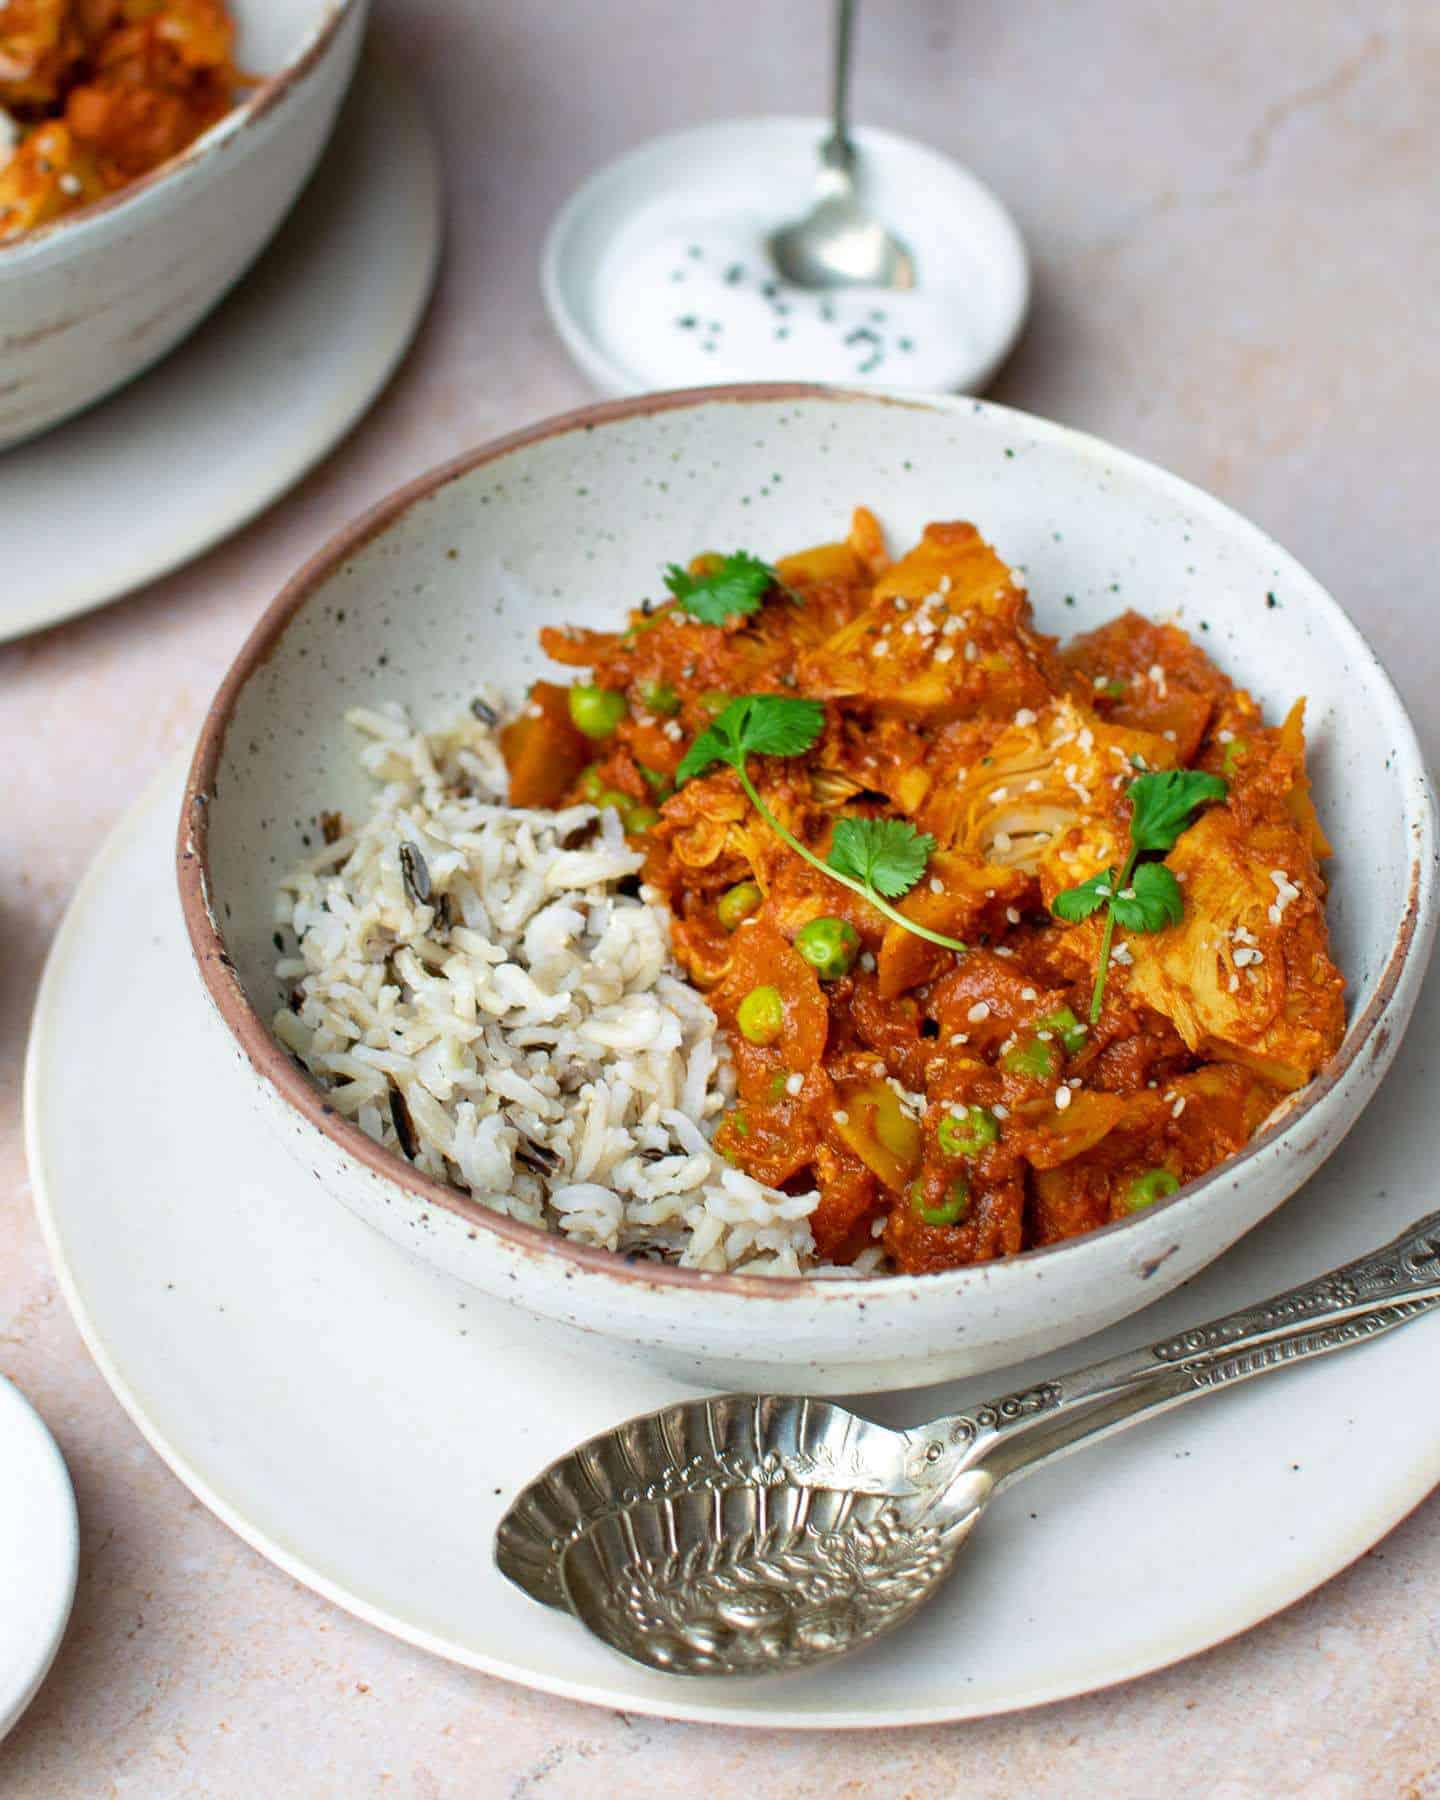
column 1017, row 1433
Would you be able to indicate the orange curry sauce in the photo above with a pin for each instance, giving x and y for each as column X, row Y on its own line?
column 945, row 707
column 95, row 93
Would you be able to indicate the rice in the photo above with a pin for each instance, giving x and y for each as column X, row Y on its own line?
column 477, row 991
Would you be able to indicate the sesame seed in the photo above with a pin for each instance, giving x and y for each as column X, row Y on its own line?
column 1234, row 983
column 1003, row 950
column 1045, row 1037
column 1028, row 993
column 980, row 1010
column 1224, row 737
column 970, row 651
column 1000, row 794
column 1099, row 682
column 1074, row 1082
column 70, row 184
column 1000, row 1111
column 937, row 886
column 1012, row 913
column 841, row 1117
column 1169, row 734
column 794, row 1083
column 944, row 654
column 944, row 584
column 1034, row 785
column 959, row 1037
column 867, row 961
column 1001, row 842
column 1120, row 955
column 1062, row 1098
column 1025, row 716
column 1178, row 1108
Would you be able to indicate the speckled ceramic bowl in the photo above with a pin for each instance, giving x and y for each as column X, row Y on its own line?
column 445, row 584
column 91, row 300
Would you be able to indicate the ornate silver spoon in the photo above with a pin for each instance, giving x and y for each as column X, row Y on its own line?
column 838, row 243
column 753, row 1534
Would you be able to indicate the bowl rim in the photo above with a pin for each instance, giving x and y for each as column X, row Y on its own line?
column 1366, row 1033
column 263, row 99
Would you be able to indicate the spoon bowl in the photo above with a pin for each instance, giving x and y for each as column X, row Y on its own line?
column 760, row 1534
column 838, row 243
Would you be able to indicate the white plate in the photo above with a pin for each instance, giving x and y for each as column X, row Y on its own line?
column 39, row 1552
column 972, row 292
column 363, row 1422
column 271, row 381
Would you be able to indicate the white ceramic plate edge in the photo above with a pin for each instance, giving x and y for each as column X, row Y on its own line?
column 13, row 1706
column 1294, row 1583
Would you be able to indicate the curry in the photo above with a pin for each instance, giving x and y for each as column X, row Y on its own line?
column 95, row 93
column 1008, row 940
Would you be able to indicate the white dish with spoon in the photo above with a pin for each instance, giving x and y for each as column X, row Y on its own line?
column 620, row 280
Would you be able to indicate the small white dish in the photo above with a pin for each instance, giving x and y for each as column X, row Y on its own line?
column 233, row 1307
column 635, row 307
column 39, row 1552
column 255, row 398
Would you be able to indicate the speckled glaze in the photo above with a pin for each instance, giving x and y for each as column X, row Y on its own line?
column 91, row 300
column 445, row 583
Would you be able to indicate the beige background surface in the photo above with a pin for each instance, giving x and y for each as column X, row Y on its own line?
column 1233, row 209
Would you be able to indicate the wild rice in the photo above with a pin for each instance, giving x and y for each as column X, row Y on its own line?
column 476, row 994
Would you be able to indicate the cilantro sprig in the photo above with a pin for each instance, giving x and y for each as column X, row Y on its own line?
column 736, row 587
column 1143, row 896
column 879, row 859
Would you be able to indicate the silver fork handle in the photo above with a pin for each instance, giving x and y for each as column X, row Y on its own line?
column 1377, row 1291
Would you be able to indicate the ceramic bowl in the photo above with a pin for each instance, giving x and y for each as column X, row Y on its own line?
column 684, row 178
column 445, row 584
column 92, row 299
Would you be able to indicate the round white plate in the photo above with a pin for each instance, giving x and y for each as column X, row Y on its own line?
column 364, row 1423
column 973, row 287
column 197, row 446
column 39, row 1552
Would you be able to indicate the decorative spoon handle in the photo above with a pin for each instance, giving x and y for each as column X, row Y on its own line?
column 1019, row 1433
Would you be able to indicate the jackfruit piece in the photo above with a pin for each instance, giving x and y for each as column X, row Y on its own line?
column 1047, row 775
column 1246, row 976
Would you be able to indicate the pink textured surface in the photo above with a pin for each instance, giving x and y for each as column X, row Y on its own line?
column 1231, row 209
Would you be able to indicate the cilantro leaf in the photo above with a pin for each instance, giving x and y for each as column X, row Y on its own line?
column 736, row 587
column 872, row 857
column 1078, row 903
column 888, row 855
column 1164, row 804
column 1152, row 901
column 754, row 725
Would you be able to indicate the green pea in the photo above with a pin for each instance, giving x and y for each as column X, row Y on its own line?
column 1067, row 1028
column 952, row 1209
column 599, row 792
column 637, row 818
column 1035, row 1059
column 738, row 903
column 1146, row 1189
column 967, row 1133
column 761, row 1015
column 830, row 946
column 1115, row 688
column 660, row 697
column 596, row 710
